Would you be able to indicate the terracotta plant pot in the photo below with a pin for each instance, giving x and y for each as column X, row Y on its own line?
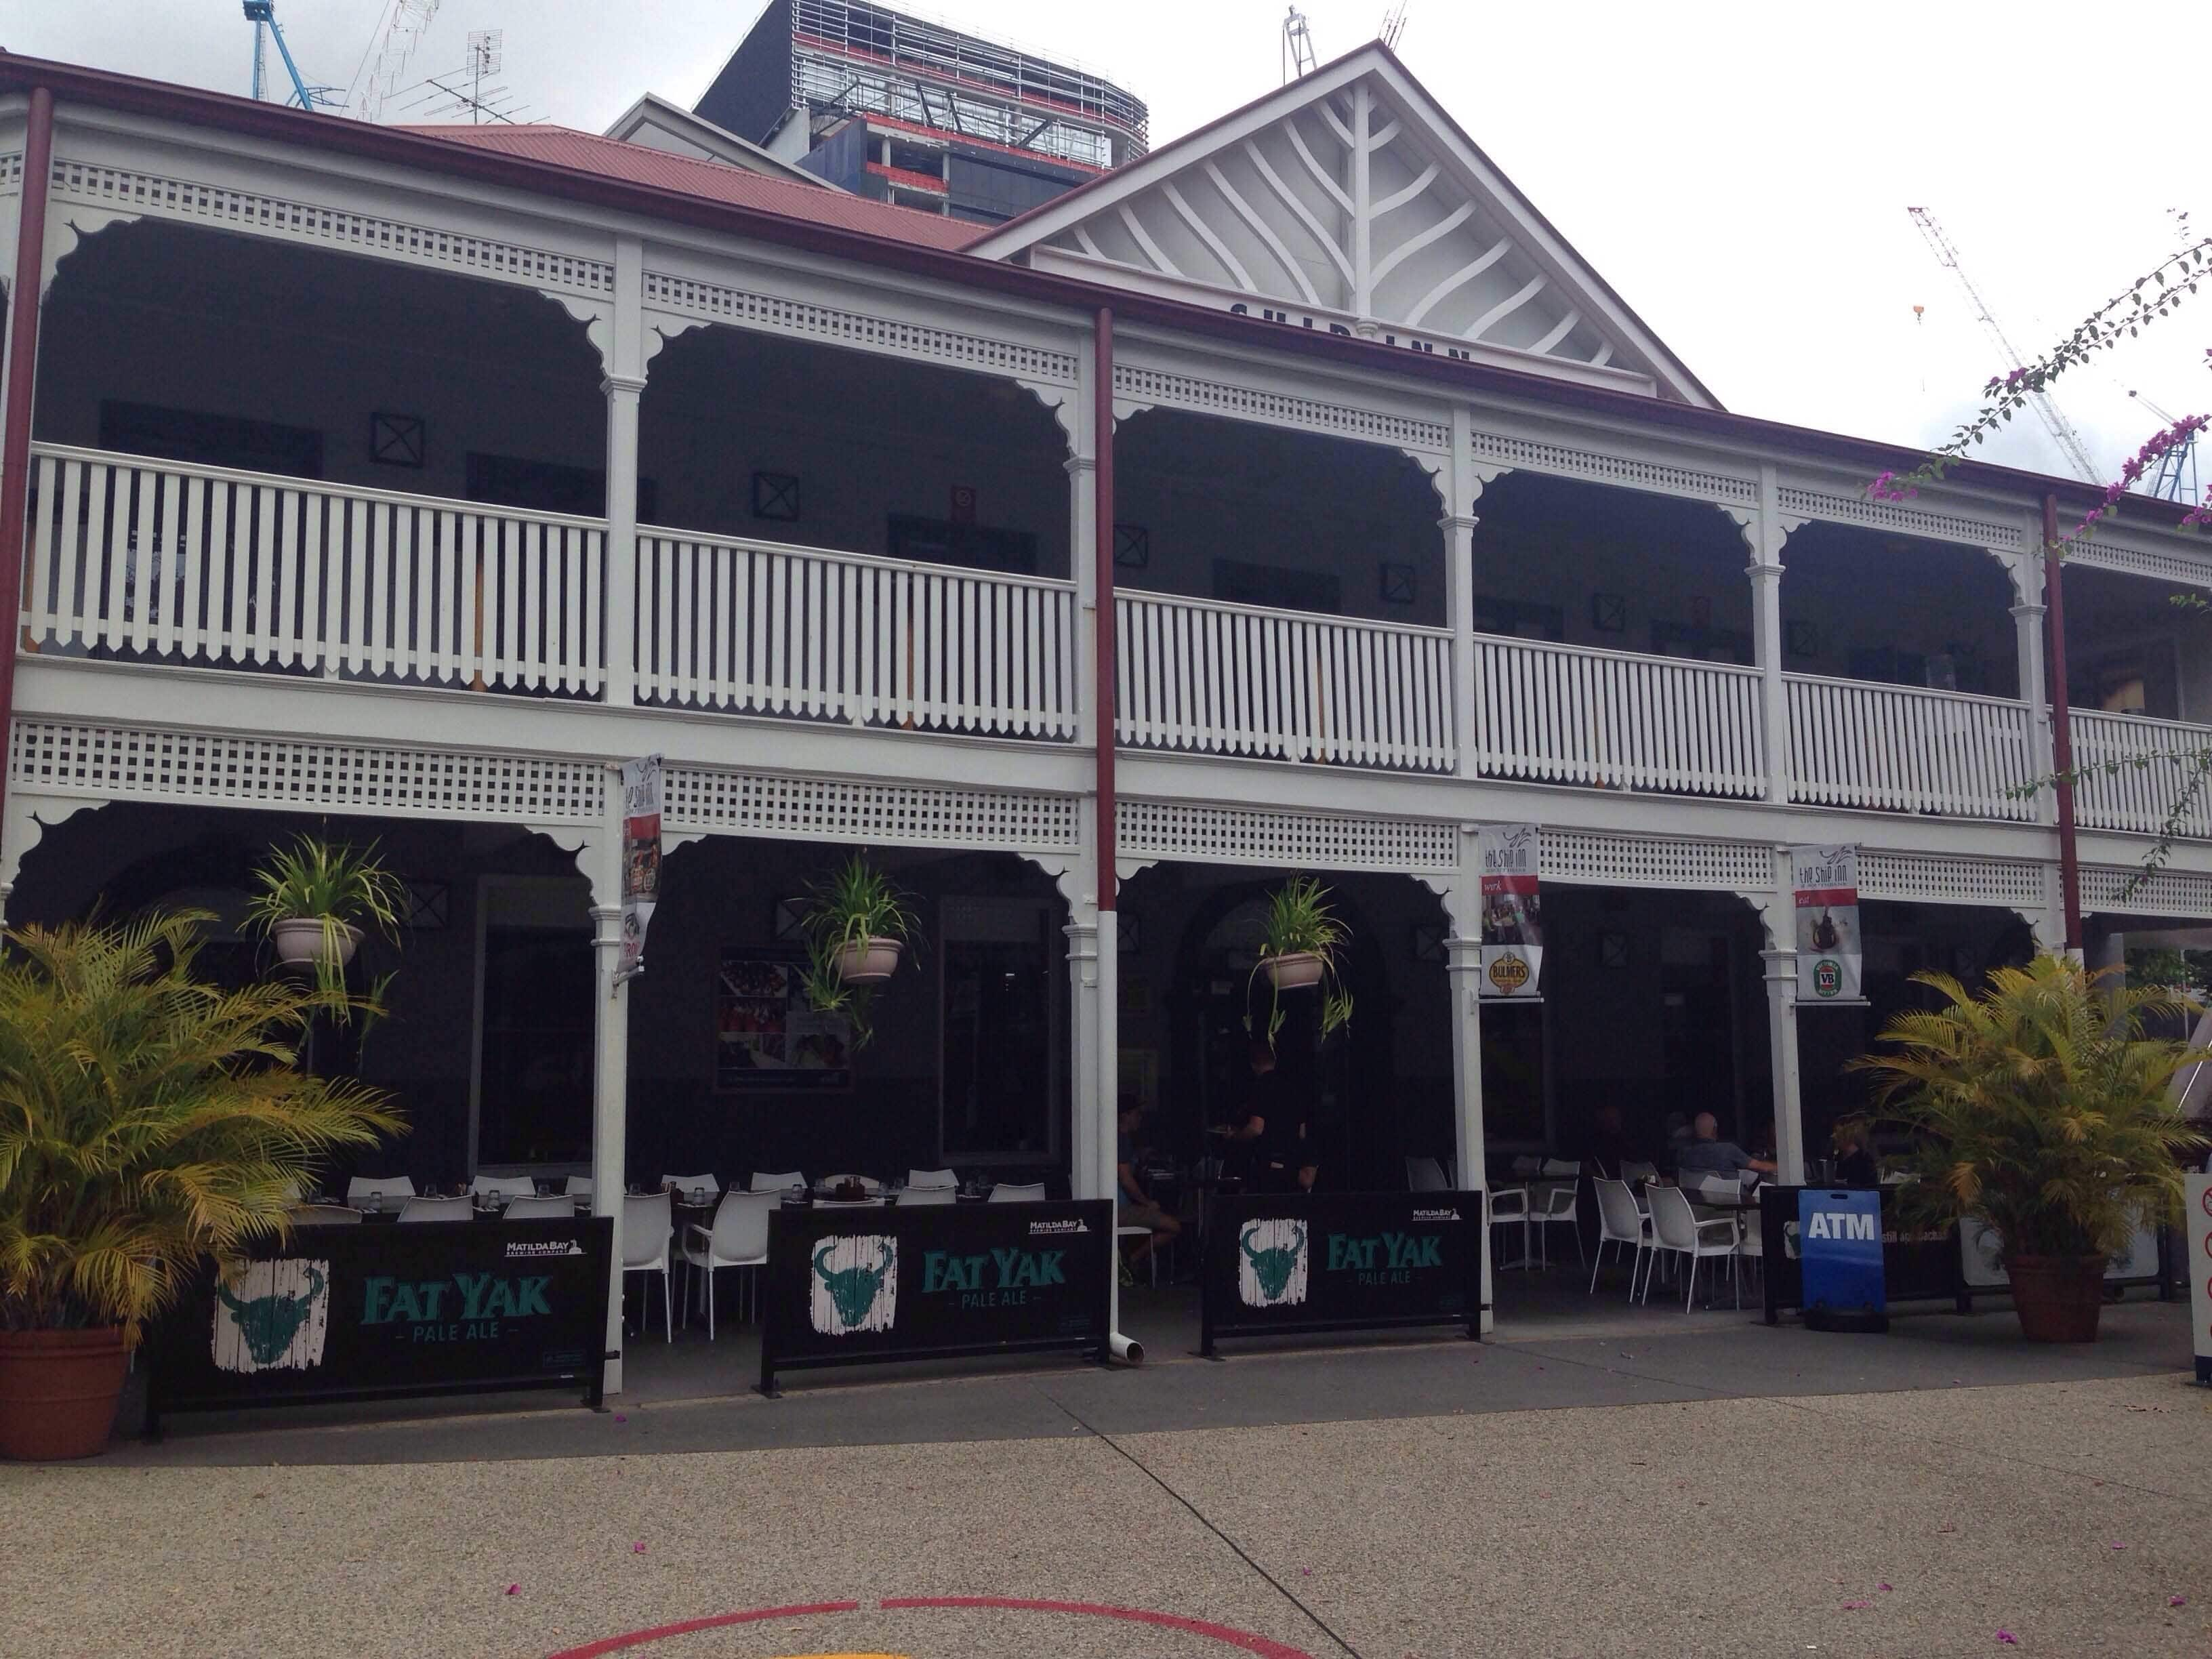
column 299, row 942
column 2058, row 1297
column 871, row 963
column 58, row 1391
column 1296, row 970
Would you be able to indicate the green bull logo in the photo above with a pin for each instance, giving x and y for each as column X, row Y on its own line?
column 1385, row 1258
column 273, row 1316
column 1272, row 1273
column 1000, row 1279
column 856, row 1284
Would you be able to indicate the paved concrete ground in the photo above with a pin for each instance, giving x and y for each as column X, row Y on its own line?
column 1713, row 1487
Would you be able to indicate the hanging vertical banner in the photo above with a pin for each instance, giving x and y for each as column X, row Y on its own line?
column 1829, row 954
column 1512, row 923
column 641, row 864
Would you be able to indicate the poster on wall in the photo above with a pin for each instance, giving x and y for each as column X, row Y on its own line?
column 1512, row 919
column 640, row 860
column 767, row 1037
column 1830, row 949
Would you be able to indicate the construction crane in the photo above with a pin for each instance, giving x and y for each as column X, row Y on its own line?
column 1298, row 47
column 2062, row 430
column 260, row 12
column 2176, row 477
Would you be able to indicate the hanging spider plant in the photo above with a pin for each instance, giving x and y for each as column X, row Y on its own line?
column 858, row 923
column 316, row 899
column 1299, row 944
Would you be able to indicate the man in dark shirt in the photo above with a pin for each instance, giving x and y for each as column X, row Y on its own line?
column 1268, row 1144
column 1136, row 1207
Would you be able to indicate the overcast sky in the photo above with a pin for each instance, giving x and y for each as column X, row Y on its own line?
column 1739, row 173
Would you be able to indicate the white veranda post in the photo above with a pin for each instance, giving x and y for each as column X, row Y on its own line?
column 610, row 1063
column 1778, row 915
column 1463, row 959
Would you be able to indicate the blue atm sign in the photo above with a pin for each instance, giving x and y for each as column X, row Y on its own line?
column 1840, row 1243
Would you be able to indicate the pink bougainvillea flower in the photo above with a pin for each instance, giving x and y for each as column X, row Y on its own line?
column 621, row 1418
column 1853, row 1605
column 2119, row 1546
column 2177, row 1600
column 514, row 1589
column 2008, row 1638
column 637, row 1549
column 1884, row 1587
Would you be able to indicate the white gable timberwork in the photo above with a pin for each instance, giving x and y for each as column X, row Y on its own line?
column 1350, row 201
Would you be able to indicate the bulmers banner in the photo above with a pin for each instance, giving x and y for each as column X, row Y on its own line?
column 1825, row 880
column 382, row 1310
column 1340, row 1261
column 1512, row 919
column 641, row 865
column 852, row 1285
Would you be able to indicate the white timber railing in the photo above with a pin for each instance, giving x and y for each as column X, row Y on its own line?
column 1857, row 743
column 764, row 628
column 2131, row 772
column 138, row 559
column 1223, row 679
column 1566, row 714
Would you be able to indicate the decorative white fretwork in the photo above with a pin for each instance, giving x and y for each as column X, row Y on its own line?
column 231, row 769
column 1662, row 478
column 1934, row 524
column 1934, row 878
column 2191, row 565
column 1610, row 860
column 1317, row 841
column 716, row 802
column 2186, row 894
column 805, row 320
column 1149, row 386
column 119, row 191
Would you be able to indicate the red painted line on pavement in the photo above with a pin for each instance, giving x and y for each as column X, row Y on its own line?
column 1264, row 1646
column 638, row 1639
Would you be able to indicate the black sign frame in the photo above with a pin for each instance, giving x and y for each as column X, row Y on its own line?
column 1364, row 1218
column 366, row 1267
column 943, row 1250
column 1921, row 1268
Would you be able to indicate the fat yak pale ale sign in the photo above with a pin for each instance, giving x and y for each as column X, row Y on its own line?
column 1825, row 881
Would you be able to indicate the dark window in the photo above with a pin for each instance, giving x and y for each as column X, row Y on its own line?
column 534, row 1093
column 1704, row 644
column 1520, row 619
column 998, row 1049
column 549, row 487
column 1240, row 583
column 185, row 434
column 935, row 541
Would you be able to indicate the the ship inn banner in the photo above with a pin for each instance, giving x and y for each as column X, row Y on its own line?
column 1830, row 949
column 852, row 1285
column 1512, row 916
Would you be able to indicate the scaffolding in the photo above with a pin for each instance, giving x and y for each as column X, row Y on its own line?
column 866, row 59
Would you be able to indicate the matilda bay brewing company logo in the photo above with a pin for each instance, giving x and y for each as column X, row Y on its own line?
column 855, row 1284
column 1272, row 1269
column 273, row 1316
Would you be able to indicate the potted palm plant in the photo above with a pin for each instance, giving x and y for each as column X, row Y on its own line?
column 148, row 1120
column 1300, row 938
column 315, row 898
column 2040, row 1110
column 858, row 924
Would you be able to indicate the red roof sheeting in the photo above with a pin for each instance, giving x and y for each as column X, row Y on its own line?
column 715, row 181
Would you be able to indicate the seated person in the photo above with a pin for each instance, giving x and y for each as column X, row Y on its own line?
column 1134, row 1207
column 1854, row 1164
column 1706, row 1153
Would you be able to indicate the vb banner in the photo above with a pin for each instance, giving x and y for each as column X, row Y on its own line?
column 1512, row 917
column 1826, row 884
column 1340, row 1261
column 873, row 1285
column 386, row 1311
column 640, row 860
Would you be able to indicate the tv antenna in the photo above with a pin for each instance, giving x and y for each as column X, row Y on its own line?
column 1298, row 47
column 390, row 48
column 1394, row 24
column 464, row 89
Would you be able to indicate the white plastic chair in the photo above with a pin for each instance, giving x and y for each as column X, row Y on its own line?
column 739, row 1238
column 387, row 1187
column 777, row 1183
column 1633, row 1169
column 1425, row 1175
column 1561, row 1168
column 1677, row 1230
column 687, row 1185
column 929, row 1195
column 325, row 1215
column 1010, row 1192
column 1751, row 1246
column 503, row 1186
column 1508, row 1206
column 647, row 1220
column 540, row 1209
column 1558, row 1207
column 930, row 1178
column 1619, row 1221
column 1527, row 1165
column 578, row 1187
column 437, row 1209
column 869, row 1184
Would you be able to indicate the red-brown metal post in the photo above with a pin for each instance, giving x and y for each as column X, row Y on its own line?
column 22, row 371
column 2062, row 729
column 1103, row 481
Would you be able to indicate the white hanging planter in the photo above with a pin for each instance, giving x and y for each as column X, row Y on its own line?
column 870, row 963
column 1295, row 970
column 301, row 942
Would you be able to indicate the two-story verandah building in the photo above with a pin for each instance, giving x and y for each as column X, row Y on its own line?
column 407, row 482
